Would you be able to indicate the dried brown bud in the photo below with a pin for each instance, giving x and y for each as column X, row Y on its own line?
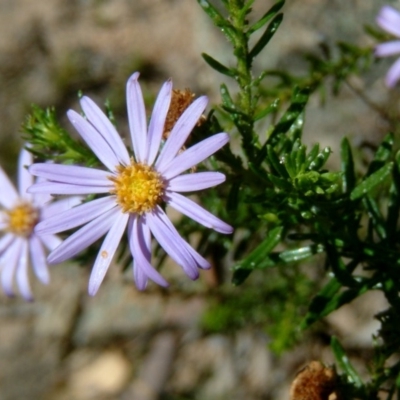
column 315, row 382
column 180, row 101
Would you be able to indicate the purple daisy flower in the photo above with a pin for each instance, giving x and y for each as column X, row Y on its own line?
column 389, row 20
column 20, row 245
column 133, row 188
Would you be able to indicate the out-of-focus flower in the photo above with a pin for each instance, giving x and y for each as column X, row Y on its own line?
column 19, row 244
column 134, row 188
column 389, row 20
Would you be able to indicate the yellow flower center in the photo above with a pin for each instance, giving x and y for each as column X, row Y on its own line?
column 22, row 219
column 138, row 187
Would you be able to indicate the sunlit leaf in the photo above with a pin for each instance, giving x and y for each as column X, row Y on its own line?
column 267, row 16
column 271, row 108
column 266, row 36
column 347, row 166
column 258, row 255
column 382, row 154
column 372, row 181
column 344, row 362
column 218, row 19
column 218, row 66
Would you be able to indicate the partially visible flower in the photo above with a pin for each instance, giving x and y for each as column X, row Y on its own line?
column 20, row 245
column 389, row 20
column 135, row 188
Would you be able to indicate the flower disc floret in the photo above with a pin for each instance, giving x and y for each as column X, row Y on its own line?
column 138, row 187
column 22, row 219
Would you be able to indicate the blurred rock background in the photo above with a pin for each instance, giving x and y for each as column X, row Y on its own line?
column 146, row 346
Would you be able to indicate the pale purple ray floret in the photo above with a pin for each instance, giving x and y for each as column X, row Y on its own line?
column 19, row 244
column 389, row 20
column 133, row 189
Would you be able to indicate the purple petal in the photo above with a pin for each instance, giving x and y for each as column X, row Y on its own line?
column 393, row 75
column 197, row 213
column 181, row 131
column 200, row 261
column 94, row 140
column 8, row 195
column 170, row 241
column 143, row 243
column 194, row 155
column 389, row 20
column 83, row 237
column 76, row 216
column 59, row 206
column 50, row 241
column 65, row 188
column 22, row 273
column 72, row 174
column 139, row 277
column 25, row 179
column 40, row 199
column 196, row 181
column 104, row 126
column 106, row 252
column 3, row 220
column 388, row 49
column 139, row 245
column 9, row 262
column 38, row 259
column 5, row 242
column 157, row 121
column 137, row 117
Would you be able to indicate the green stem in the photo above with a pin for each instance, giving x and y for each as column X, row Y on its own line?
column 244, row 75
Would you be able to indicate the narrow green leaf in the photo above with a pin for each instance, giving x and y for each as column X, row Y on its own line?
column 266, row 17
column 259, row 172
column 378, row 34
column 321, row 304
column 312, row 155
column 382, row 154
column 375, row 216
column 373, row 180
column 301, row 253
column 274, row 236
column 226, row 97
column 273, row 107
column 301, row 159
column 329, row 299
column 266, row 36
column 276, row 163
column 299, row 101
column 246, row 8
column 343, row 272
column 218, row 66
column 344, row 363
column 240, row 275
column 320, row 160
column 347, row 166
column 218, row 20
column 394, row 200
column 280, row 183
column 289, row 164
